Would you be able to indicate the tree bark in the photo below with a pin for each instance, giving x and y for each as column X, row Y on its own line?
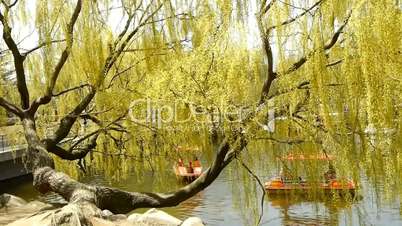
column 36, row 155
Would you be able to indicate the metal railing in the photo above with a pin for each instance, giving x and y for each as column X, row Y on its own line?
column 6, row 147
column 3, row 144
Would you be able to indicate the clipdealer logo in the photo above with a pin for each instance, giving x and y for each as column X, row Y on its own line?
column 160, row 113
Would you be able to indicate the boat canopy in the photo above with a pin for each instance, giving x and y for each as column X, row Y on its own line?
column 292, row 157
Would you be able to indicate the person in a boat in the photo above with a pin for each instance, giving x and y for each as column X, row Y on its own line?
column 330, row 174
column 285, row 175
column 181, row 168
column 289, row 177
column 190, row 168
column 180, row 162
column 196, row 162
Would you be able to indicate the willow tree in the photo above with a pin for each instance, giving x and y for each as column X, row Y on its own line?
column 315, row 58
column 331, row 69
column 80, row 59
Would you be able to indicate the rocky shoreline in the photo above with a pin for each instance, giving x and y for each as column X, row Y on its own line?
column 15, row 211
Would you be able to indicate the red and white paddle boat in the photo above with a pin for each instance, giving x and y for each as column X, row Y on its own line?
column 191, row 171
column 188, row 173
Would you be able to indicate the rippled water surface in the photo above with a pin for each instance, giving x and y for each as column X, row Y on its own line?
column 216, row 206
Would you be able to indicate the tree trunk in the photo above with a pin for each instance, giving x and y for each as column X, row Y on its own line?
column 36, row 155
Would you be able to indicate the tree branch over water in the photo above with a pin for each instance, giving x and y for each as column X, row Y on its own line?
column 260, row 184
column 185, row 89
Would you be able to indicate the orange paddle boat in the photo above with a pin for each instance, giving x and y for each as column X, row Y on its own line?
column 279, row 185
column 288, row 184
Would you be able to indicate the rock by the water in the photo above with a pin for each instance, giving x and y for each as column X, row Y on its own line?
column 106, row 213
column 192, row 221
column 17, row 212
column 15, row 208
column 39, row 219
column 134, row 217
column 7, row 200
column 101, row 222
column 154, row 217
column 38, row 206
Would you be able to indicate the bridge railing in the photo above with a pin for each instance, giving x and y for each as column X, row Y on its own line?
column 6, row 147
column 2, row 142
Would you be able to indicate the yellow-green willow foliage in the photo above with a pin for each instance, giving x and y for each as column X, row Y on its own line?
column 193, row 58
column 3, row 85
column 351, row 108
column 182, row 62
column 377, row 45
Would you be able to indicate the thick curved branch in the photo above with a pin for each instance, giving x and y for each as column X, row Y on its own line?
column 68, row 121
column 119, row 201
column 11, row 107
column 63, row 59
column 73, row 153
column 11, row 4
column 18, row 61
column 102, row 129
column 271, row 75
column 265, row 7
column 338, row 33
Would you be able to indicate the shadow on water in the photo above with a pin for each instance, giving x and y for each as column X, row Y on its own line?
column 20, row 186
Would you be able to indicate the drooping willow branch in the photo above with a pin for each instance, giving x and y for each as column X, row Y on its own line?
column 119, row 46
column 43, row 44
column 70, row 90
column 60, row 64
column 302, row 60
column 291, row 20
column 260, row 184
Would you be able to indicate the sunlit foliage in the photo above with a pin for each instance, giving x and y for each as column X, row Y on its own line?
column 195, row 57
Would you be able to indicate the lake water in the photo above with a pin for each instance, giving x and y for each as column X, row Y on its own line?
column 216, row 205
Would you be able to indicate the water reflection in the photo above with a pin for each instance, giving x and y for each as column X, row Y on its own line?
column 297, row 210
column 216, row 205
